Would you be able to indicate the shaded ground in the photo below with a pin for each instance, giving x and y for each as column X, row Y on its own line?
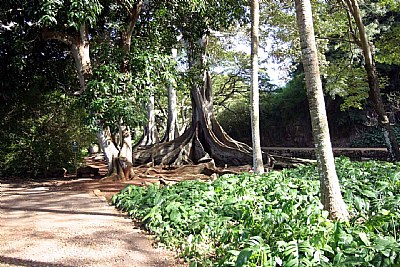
column 57, row 223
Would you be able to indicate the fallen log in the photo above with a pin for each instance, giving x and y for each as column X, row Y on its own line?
column 280, row 162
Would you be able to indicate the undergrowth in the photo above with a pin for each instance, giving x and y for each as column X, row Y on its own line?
column 373, row 137
column 275, row 219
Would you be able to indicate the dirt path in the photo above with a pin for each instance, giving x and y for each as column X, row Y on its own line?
column 44, row 224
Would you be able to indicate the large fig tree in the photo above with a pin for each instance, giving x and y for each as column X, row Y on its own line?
column 204, row 140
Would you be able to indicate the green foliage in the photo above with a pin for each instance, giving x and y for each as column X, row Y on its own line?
column 113, row 95
column 389, row 52
column 84, row 11
column 39, row 119
column 341, row 60
column 373, row 137
column 347, row 82
column 73, row 13
column 236, row 120
column 278, row 110
column 275, row 219
column 290, row 101
column 204, row 16
column 38, row 138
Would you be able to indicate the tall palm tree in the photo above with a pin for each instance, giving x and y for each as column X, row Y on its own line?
column 331, row 196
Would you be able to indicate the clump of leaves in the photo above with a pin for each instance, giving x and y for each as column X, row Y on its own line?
column 37, row 136
column 373, row 137
column 275, row 219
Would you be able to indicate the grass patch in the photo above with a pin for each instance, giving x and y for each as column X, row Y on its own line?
column 275, row 219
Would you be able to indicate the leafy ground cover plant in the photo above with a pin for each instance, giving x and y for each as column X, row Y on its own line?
column 275, row 219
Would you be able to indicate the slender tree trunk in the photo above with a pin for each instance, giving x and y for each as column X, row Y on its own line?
column 150, row 133
column 331, row 196
column 119, row 154
column 185, row 114
column 125, row 152
column 172, row 124
column 109, row 149
column 133, row 17
column 254, row 94
column 122, row 164
column 151, row 125
column 172, row 130
column 373, row 83
column 82, row 61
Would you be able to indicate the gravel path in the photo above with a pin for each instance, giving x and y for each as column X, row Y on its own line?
column 42, row 225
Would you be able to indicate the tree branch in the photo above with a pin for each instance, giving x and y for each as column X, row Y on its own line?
column 335, row 39
column 59, row 36
column 350, row 13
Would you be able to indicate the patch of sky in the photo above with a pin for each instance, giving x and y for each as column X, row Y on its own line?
column 278, row 72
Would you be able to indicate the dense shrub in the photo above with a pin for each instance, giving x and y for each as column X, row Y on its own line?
column 236, row 121
column 275, row 219
column 37, row 139
column 373, row 137
column 285, row 120
column 279, row 111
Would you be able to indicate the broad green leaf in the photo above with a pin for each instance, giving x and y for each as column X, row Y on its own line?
column 243, row 257
column 364, row 238
column 368, row 193
column 292, row 263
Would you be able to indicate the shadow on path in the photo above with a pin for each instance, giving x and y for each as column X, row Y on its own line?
column 59, row 211
column 22, row 262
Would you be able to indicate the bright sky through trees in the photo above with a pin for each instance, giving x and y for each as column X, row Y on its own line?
column 277, row 72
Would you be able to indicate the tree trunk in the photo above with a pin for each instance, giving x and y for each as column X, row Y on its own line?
column 107, row 146
column 80, row 51
column 150, row 133
column 126, row 35
column 373, row 83
column 254, row 94
column 331, row 196
column 79, row 44
column 125, row 152
column 172, row 130
column 122, row 163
